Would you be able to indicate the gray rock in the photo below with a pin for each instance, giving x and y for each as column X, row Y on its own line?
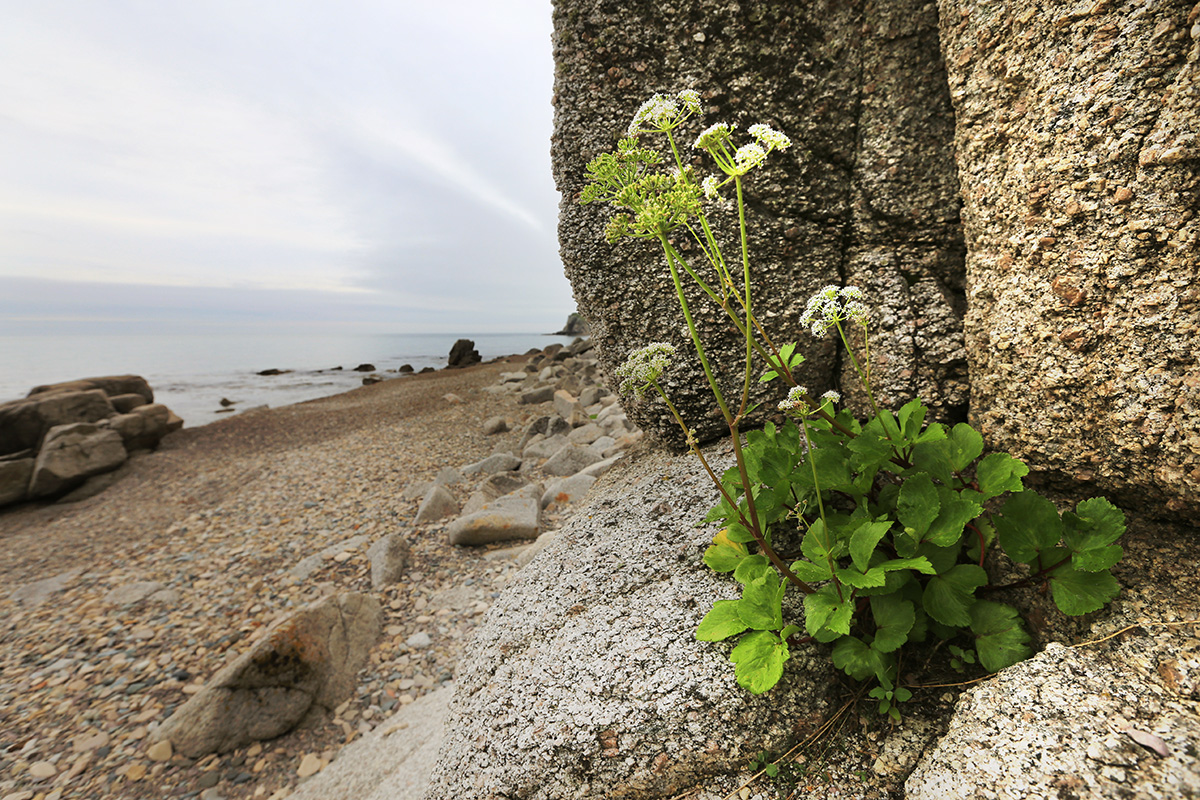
column 570, row 460
column 131, row 593
column 143, row 428
column 494, row 425
column 514, row 516
column 585, row 679
column 312, row 563
column 14, row 479
column 392, row 762
column 24, row 423
column 1081, row 324
column 567, row 491
column 493, row 488
column 566, row 405
column 124, row 403
column 418, row 641
column 463, row 354
column 448, row 476
column 438, row 504
column 304, row 664
column 601, row 467
column 591, row 395
column 111, row 385
column 543, row 394
column 389, row 558
column 544, row 448
column 34, row 594
column 417, row 491
column 586, row 434
column 1056, row 725
column 72, row 453
column 497, row 462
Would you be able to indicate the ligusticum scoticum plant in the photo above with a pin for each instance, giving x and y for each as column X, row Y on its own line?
column 898, row 517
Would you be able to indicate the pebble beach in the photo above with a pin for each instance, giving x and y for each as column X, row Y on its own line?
column 117, row 608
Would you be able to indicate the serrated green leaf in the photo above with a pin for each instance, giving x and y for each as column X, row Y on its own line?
column 737, row 532
column 817, row 544
column 957, row 509
column 933, row 457
column 869, row 449
column 769, row 375
column 870, row 579
column 721, row 622
column 751, row 568
column 942, row 559
column 760, row 606
column 934, row 432
column 724, row 554
column 856, row 659
column 758, row 661
column 1090, row 532
column 1001, row 639
column 825, row 610
column 966, row 445
column 894, row 618
column 1076, row 592
column 912, row 417
column 949, row 596
column 920, row 564
column 999, row 473
column 810, row 572
column 1028, row 523
column 864, row 539
column 918, row 505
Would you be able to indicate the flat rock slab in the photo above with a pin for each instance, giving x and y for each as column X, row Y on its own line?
column 304, row 663
column 72, row 453
column 513, row 516
column 392, row 762
column 571, row 459
column 38, row 592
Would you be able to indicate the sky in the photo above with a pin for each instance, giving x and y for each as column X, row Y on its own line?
column 380, row 165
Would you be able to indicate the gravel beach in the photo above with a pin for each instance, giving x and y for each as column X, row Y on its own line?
column 117, row 608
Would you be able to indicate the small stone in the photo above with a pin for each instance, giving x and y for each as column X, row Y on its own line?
column 42, row 770
column 160, row 751
column 311, row 764
column 208, row 780
column 84, row 744
column 418, row 641
column 135, row 772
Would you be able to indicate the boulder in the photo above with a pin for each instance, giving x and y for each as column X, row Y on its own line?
column 514, row 516
column 494, row 425
column 72, row 453
column 542, row 394
column 365, row 368
column 143, row 428
column 463, row 354
column 586, row 434
column 305, row 664
column 540, row 447
column 576, row 326
column 112, row 386
column 1080, row 174
column 24, row 423
column 494, row 487
column 124, row 403
column 389, row 558
column 15, row 475
column 567, row 491
column 438, row 503
column 585, row 679
column 497, row 462
column 868, row 194
column 565, row 404
column 571, row 459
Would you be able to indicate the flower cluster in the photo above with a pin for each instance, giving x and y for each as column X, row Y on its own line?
column 795, row 401
column 713, row 136
column 716, row 141
column 831, row 306
column 660, row 113
column 643, row 367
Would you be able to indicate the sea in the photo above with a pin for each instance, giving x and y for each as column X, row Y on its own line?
column 192, row 372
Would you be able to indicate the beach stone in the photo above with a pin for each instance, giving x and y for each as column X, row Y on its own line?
column 1081, row 324
column 570, row 460
column 516, row 515
column 544, row 447
column 567, row 491
column 311, row 764
column 494, row 487
column 565, row 404
column 418, row 641
column 24, row 423
column 131, row 593
column 586, row 434
column 389, row 558
column 160, row 751
column 392, row 762
column 463, row 354
column 588, row 661
column 542, row 394
column 311, row 564
column 14, row 479
column 35, row 593
column 438, row 503
column 591, row 395
column 73, row 452
column 111, row 385
column 498, row 462
column 124, row 403
column 143, row 428
column 494, row 425
column 305, row 664
column 448, row 476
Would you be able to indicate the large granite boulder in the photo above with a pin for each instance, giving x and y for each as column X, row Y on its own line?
column 111, row 385
column 307, row 663
column 463, row 354
column 23, row 423
column 73, row 453
column 867, row 195
column 586, row 680
column 1079, row 161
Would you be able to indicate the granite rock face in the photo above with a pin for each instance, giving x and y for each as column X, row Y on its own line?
column 585, row 679
column 867, row 194
column 1080, row 169
column 71, row 454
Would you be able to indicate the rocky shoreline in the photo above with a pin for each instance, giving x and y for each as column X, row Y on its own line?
column 122, row 605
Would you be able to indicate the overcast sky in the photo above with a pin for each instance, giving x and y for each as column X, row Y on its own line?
column 382, row 163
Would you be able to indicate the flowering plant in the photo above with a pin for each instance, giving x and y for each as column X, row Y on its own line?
column 898, row 518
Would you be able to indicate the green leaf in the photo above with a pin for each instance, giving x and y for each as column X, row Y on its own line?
column 769, row 375
column 737, row 532
column 949, row 596
column 918, row 505
column 957, row 509
column 760, row 606
column 758, row 661
column 724, row 554
column 817, row 544
column 870, row 579
column 1090, row 532
column 864, row 539
column 1078, row 592
column 751, row 568
column 1029, row 523
column 893, row 620
column 869, row 449
column 810, row 572
column 920, row 564
column 935, row 432
column 933, row 457
column 999, row 473
column 721, row 622
column 912, row 416
column 1001, row 639
column 856, row 659
column 965, row 445
column 825, row 610
column 942, row 559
